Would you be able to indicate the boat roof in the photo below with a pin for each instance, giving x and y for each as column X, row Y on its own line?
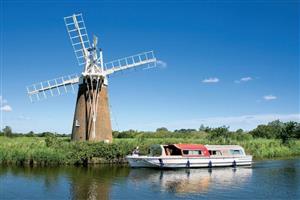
column 190, row 146
column 223, row 147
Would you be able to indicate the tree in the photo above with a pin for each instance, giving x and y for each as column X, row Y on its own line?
column 297, row 131
column 183, row 130
column 288, row 132
column 7, row 131
column 240, row 131
column 162, row 129
column 220, row 132
column 30, row 134
column 270, row 131
column 45, row 134
column 278, row 130
column 204, row 128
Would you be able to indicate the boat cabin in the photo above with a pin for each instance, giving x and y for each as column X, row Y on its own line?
column 186, row 150
column 225, row 150
column 199, row 150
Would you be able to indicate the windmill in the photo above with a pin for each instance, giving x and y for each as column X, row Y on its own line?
column 92, row 117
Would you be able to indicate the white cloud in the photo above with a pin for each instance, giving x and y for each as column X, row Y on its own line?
column 246, row 122
column 2, row 100
column 161, row 64
column 211, row 80
column 244, row 79
column 6, row 108
column 269, row 97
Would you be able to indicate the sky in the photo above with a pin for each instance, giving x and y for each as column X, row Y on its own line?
column 233, row 63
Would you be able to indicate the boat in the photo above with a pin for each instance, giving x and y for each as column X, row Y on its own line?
column 191, row 156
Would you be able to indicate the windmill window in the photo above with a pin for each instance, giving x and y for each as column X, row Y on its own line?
column 77, row 123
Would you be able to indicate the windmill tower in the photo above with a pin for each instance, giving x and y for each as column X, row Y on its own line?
column 92, row 116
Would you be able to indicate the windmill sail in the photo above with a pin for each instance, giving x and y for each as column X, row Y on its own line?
column 141, row 59
column 92, row 97
column 78, row 36
column 53, row 87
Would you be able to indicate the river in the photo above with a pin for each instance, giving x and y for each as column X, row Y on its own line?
column 271, row 179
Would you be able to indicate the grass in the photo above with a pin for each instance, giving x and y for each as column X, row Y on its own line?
column 60, row 151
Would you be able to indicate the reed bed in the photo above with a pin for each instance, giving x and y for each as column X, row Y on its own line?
column 45, row 151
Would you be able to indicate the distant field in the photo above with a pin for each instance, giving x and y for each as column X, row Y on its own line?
column 60, row 151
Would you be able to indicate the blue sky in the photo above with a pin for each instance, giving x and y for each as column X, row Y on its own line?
column 227, row 62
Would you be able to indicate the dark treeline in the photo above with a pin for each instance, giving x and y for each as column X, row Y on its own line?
column 7, row 131
column 284, row 131
column 273, row 130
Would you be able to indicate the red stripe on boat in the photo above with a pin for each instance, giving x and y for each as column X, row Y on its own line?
column 191, row 146
column 200, row 147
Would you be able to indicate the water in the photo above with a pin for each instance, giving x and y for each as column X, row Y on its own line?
column 275, row 179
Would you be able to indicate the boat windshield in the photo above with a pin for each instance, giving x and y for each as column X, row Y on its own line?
column 171, row 150
column 235, row 152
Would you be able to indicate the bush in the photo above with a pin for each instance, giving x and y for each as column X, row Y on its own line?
column 7, row 131
column 52, row 141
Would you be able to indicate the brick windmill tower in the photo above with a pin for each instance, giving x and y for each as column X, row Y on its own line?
column 92, row 116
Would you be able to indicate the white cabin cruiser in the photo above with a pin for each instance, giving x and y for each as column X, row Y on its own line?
column 192, row 156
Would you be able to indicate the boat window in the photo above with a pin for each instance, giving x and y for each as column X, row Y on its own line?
column 192, row 152
column 168, row 151
column 215, row 153
column 171, row 150
column 195, row 152
column 185, row 152
column 236, row 152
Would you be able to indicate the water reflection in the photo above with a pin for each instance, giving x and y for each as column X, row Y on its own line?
column 82, row 183
column 269, row 179
column 95, row 182
column 191, row 180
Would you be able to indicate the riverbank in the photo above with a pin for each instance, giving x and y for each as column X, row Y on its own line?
column 45, row 151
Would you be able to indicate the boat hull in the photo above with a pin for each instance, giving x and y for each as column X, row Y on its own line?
column 184, row 162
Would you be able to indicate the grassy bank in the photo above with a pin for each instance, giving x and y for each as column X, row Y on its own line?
column 60, row 151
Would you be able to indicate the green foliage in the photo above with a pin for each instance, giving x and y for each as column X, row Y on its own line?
column 269, row 131
column 275, row 139
column 278, row 130
column 7, row 131
column 55, row 150
column 220, row 132
column 185, row 130
column 239, row 131
column 125, row 134
column 52, row 141
column 288, row 132
column 30, row 134
column 162, row 129
column 155, row 150
column 204, row 128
